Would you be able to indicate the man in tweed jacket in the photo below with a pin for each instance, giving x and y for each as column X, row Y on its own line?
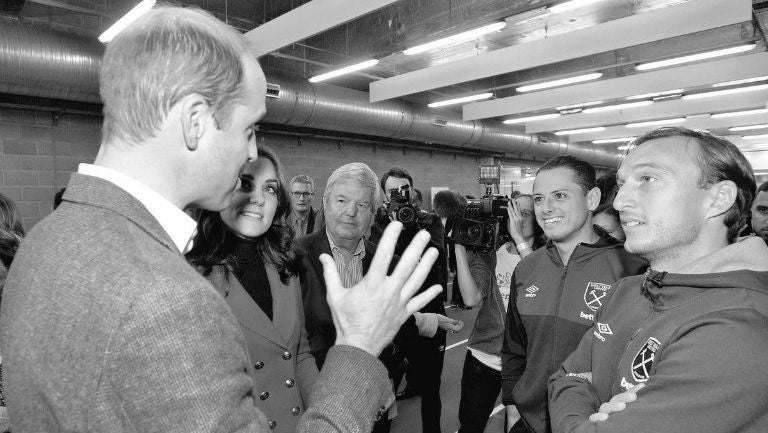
column 105, row 327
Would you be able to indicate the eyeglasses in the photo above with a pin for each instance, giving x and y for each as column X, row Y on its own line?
column 298, row 194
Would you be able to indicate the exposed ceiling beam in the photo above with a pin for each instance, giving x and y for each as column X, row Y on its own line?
column 308, row 20
column 659, row 110
column 697, row 122
column 633, row 30
column 700, row 74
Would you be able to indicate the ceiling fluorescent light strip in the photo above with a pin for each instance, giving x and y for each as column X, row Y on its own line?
column 460, row 100
column 579, row 105
column 655, row 94
column 613, row 140
column 571, row 5
column 126, row 20
column 754, row 137
column 739, row 113
column 694, row 57
column 560, row 82
column 581, row 131
column 744, row 81
column 618, row 107
column 343, row 71
column 725, row 92
column 461, row 37
column 748, row 128
column 532, row 118
column 656, row 122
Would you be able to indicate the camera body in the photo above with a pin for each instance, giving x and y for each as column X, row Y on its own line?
column 483, row 227
column 400, row 206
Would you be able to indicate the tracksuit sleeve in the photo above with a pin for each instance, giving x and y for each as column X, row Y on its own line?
column 513, row 351
column 710, row 377
column 572, row 398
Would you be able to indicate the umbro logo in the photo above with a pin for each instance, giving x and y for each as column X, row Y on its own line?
column 603, row 328
column 531, row 292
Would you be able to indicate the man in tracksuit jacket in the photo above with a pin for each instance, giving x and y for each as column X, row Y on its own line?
column 684, row 347
column 557, row 290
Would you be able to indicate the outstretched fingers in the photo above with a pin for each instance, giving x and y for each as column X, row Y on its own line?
column 411, row 258
column 385, row 250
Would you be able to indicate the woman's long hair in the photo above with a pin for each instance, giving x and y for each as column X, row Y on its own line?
column 11, row 230
column 211, row 247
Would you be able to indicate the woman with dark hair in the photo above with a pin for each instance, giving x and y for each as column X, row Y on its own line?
column 11, row 233
column 607, row 217
column 244, row 251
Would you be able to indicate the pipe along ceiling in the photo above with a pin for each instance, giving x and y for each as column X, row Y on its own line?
column 49, row 64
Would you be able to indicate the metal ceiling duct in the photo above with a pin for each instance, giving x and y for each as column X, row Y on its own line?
column 44, row 63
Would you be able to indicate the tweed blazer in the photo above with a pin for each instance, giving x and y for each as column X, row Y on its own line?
column 104, row 327
column 284, row 370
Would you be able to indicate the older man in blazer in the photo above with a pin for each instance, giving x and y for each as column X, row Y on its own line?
column 105, row 327
column 349, row 205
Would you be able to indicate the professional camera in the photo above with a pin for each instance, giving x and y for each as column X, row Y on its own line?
column 400, row 206
column 484, row 224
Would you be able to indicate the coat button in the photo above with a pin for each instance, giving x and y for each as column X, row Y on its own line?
column 286, row 355
column 289, row 383
column 296, row 411
column 264, row 395
column 258, row 365
column 272, row 424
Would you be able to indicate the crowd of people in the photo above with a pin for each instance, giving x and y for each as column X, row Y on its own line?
column 181, row 284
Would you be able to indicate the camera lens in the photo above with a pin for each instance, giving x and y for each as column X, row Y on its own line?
column 406, row 215
column 471, row 233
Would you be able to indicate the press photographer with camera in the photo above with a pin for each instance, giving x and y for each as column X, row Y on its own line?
column 424, row 352
column 484, row 273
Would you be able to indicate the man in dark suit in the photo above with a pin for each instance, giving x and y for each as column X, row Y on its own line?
column 105, row 327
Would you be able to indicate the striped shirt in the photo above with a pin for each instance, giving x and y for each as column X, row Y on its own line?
column 349, row 265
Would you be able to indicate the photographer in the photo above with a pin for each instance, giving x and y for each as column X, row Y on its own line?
column 424, row 352
column 475, row 269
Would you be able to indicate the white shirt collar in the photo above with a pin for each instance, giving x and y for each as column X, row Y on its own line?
column 179, row 226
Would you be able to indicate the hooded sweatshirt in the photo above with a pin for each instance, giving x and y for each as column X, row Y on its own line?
column 551, row 306
column 697, row 339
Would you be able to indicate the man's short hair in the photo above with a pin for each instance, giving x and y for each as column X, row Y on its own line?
column 449, row 204
column 165, row 56
column 303, row 178
column 359, row 172
column 583, row 172
column 718, row 159
column 762, row 188
column 398, row 172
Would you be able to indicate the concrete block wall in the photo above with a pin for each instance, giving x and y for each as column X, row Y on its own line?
column 38, row 154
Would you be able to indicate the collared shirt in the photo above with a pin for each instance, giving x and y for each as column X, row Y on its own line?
column 298, row 223
column 349, row 265
column 179, row 226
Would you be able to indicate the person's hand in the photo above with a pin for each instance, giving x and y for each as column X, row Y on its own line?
column 450, row 325
column 369, row 314
column 617, row 403
column 515, row 222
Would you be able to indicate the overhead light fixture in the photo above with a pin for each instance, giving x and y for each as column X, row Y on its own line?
column 342, row 71
column 754, row 137
column 560, row 82
column 656, row 123
column 739, row 113
column 624, row 147
column 695, row 57
column 613, row 140
column 725, row 92
column 744, row 81
column 748, row 128
column 532, row 118
column 579, row 105
column 655, row 94
column 126, row 20
column 461, row 100
column 617, row 107
column 581, row 131
column 461, row 37
column 571, row 5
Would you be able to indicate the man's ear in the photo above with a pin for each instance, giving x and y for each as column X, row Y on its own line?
column 194, row 119
column 723, row 196
column 593, row 198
